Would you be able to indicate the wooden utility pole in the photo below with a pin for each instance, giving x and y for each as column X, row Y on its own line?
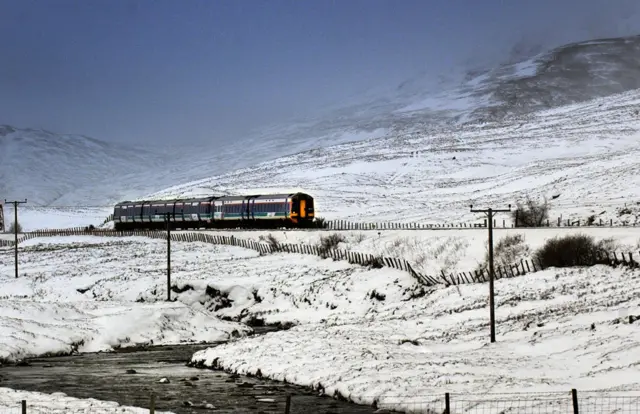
column 15, row 229
column 492, row 315
column 166, row 218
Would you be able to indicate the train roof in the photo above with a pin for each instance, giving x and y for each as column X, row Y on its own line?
column 165, row 201
column 208, row 199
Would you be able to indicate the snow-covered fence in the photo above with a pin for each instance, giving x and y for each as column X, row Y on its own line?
column 363, row 259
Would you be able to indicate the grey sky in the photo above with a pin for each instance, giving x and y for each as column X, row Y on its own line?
column 205, row 71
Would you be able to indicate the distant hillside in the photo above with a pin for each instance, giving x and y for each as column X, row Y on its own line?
column 582, row 157
column 43, row 166
column 49, row 168
column 571, row 73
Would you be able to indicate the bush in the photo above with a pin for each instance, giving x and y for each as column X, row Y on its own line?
column 12, row 227
column 531, row 214
column 271, row 241
column 572, row 250
column 509, row 250
column 330, row 242
column 319, row 223
column 506, row 252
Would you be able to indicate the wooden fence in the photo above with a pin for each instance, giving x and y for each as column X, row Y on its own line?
column 363, row 259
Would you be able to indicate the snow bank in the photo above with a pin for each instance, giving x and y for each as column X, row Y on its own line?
column 31, row 328
column 84, row 294
column 556, row 330
column 40, row 403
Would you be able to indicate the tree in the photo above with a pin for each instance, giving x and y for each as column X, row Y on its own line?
column 531, row 214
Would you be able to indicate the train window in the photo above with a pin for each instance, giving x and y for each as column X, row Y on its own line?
column 146, row 210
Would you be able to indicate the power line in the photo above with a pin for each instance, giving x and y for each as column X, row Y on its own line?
column 492, row 315
column 15, row 229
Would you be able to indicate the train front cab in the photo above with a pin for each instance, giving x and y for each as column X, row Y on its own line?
column 302, row 209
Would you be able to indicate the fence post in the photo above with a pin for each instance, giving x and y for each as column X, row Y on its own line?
column 24, row 406
column 447, row 404
column 574, row 398
column 287, row 407
column 152, row 403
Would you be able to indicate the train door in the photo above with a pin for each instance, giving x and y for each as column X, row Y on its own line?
column 252, row 206
column 303, row 208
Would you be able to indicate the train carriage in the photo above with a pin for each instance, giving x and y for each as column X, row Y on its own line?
column 249, row 211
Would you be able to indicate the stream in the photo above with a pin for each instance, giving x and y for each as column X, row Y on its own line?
column 104, row 376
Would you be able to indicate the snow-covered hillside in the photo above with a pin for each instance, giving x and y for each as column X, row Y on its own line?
column 68, row 170
column 44, row 167
column 583, row 157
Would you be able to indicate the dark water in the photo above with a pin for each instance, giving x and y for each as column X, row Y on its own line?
column 103, row 376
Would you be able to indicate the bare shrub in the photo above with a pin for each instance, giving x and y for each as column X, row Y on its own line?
column 433, row 255
column 358, row 238
column 319, row 222
column 12, row 227
column 271, row 241
column 509, row 250
column 330, row 242
column 531, row 214
column 572, row 250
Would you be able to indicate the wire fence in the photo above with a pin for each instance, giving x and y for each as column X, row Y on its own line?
column 570, row 402
column 482, row 275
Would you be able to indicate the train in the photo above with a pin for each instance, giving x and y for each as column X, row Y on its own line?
column 294, row 210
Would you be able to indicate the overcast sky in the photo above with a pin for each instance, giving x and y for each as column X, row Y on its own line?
column 155, row 71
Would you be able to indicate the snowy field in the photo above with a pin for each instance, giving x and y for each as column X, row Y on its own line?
column 80, row 294
column 38, row 218
column 368, row 334
column 90, row 293
column 584, row 155
column 556, row 330
column 432, row 252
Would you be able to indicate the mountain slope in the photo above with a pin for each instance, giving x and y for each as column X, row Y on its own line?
column 586, row 154
column 43, row 166
column 63, row 170
column 571, row 73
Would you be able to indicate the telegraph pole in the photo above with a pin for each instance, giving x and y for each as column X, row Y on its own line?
column 166, row 218
column 15, row 229
column 492, row 315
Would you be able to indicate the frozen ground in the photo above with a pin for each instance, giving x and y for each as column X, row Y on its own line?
column 585, row 154
column 41, row 403
column 556, row 330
